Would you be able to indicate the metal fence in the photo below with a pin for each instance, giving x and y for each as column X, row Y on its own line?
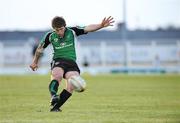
column 100, row 56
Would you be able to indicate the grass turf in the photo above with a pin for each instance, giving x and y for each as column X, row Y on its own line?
column 108, row 99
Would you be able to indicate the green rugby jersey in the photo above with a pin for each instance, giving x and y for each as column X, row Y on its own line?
column 63, row 47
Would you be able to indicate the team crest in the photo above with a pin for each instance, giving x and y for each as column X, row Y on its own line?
column 56, row 39
column 62, row 44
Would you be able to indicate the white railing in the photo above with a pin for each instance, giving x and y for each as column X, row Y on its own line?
column 101, row 56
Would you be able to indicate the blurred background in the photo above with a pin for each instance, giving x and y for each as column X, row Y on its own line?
column 144, row 39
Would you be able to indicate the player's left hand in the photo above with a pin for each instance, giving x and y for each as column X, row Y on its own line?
column 107, row 22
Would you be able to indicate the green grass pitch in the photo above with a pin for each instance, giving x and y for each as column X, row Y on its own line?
column 108, row 99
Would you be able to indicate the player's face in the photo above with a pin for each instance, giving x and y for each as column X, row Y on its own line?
column 60, row 31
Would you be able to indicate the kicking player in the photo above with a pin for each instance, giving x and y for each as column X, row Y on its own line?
column 64, row 63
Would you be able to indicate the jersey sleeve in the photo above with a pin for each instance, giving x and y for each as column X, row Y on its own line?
column 45, row 40
column 78, row 30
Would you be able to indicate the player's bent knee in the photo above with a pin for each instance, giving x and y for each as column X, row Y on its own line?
column 56, row 77
column 78, row 83
column 57, row 73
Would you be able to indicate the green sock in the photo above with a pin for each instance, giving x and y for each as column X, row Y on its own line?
column 53, row 87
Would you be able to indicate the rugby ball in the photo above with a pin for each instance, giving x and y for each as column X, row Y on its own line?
column 78, row 83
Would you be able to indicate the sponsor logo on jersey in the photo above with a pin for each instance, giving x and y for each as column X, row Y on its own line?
column 64, row 46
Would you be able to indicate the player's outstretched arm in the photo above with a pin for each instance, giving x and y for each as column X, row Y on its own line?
column 36, row 58
column 105, row 23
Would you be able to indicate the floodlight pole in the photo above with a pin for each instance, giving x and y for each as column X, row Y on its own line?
column 124, row 13
column 124, row 26
column 124, row 35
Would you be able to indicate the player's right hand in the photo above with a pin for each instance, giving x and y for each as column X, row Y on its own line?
column 33, row 66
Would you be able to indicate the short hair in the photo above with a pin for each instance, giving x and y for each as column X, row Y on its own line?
column 58, row 22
